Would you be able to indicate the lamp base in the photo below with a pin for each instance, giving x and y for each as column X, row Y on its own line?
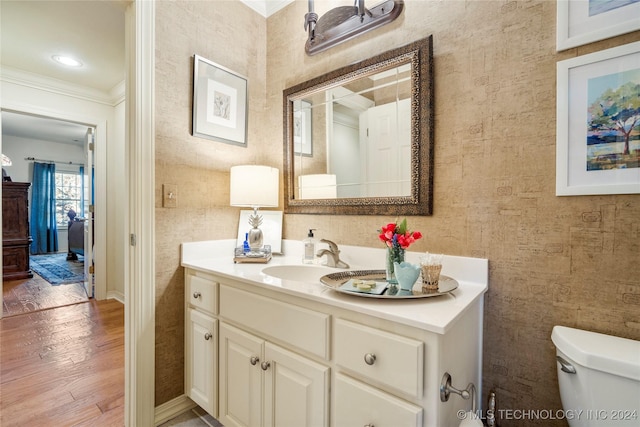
column 255, row 239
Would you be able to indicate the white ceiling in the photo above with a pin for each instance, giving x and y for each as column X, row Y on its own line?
column 91, row 31
column 31, row 32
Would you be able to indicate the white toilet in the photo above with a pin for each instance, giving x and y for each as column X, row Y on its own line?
column 599, row 378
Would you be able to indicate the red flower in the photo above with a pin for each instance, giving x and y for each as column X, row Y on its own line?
column 397, row 235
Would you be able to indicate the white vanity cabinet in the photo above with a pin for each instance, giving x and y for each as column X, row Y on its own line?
column 262, row 384
column 201, row 341
column 291, row 354
column 265, row 384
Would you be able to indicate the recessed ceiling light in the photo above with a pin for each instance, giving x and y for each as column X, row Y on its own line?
column 68, row 61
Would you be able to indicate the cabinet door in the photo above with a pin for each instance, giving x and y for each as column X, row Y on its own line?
column 240, row 377
column 296, row 392
column 201, row 375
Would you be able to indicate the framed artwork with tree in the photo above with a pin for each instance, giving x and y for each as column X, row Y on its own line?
column 598, row 123
column 580, row 22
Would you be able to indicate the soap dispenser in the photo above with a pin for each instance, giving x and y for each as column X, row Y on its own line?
column 309, row 248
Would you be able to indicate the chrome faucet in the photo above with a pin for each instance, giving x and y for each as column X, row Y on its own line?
column 333, row 255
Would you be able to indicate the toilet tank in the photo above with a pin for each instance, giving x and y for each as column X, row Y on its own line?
column 605, row 388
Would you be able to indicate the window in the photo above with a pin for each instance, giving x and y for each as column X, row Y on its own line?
column 68, row 196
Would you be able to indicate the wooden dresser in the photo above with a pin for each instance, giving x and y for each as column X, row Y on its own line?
column 16, row 238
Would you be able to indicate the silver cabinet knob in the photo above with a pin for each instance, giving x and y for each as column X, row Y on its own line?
column 265, row 365
column 208, row 336
column 254, row 360
column 197, row 295
column 369, row 358
column 369, row 425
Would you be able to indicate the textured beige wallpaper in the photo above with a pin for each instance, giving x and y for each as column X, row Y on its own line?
column 553, row 260
column 231, row 35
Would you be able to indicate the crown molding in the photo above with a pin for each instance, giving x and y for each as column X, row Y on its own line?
column 266, row 8
column 48, row 84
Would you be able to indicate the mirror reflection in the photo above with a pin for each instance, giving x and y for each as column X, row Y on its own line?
column 360, row 145
column 358, row 140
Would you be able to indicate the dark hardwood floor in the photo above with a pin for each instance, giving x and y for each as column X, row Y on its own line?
column 63, row 366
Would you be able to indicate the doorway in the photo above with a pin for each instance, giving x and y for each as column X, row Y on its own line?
column 63, row 266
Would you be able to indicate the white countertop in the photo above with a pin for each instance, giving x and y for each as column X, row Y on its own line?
column 435, row 314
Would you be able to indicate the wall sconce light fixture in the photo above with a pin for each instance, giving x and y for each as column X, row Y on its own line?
column 346, row 22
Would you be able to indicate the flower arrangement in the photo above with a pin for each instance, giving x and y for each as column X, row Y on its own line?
column 397, row 238
column 396, row 235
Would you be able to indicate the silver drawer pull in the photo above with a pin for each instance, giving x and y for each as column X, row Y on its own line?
column 369, row 358
column 369, row 425
column 265, row 365
column 197, row 295
column 208, row 336
column 254, row 360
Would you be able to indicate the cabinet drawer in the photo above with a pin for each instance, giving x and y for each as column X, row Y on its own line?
column 380, row 356
column 201, row 293
column 357, row 404
column 303, row 328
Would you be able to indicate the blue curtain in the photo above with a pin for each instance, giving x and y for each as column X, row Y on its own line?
column 44, row 231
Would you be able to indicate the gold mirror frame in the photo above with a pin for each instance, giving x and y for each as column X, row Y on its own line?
column 420, row 202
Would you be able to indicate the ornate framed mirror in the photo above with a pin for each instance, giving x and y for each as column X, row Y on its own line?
column 359, row 140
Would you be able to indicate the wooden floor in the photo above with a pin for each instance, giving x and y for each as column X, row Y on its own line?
column 63, row 366
column 27, row 295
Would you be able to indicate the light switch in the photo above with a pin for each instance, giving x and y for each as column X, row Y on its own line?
column 169, row 195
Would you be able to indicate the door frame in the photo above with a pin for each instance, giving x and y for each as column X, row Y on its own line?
column 139, row 394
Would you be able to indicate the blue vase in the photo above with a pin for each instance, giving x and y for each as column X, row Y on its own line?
column 406, row 274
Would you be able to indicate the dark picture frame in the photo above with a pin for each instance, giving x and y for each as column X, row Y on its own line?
column 219, row 103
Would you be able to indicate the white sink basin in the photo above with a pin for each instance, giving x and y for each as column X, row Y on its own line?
column 299, row 273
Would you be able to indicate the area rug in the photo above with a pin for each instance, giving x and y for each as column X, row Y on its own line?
column 55, row 268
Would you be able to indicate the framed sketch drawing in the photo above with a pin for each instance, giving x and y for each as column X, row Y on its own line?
column 302, row 128
column 585, row 21
column 598, row 123
column 219, row 103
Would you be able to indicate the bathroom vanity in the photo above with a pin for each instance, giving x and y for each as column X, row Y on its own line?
column 270, row 350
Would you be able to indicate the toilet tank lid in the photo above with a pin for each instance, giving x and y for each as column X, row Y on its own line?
column 614, row 355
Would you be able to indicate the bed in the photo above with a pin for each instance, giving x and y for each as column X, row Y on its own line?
column 76, row 238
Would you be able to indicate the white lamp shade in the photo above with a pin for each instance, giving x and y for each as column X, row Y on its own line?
column 319, row 186
column 254, row 186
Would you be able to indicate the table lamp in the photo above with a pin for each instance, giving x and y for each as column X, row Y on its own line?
column 254, row 186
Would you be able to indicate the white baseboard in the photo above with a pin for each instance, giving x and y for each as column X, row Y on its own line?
column 119, row 296
column 172, row 409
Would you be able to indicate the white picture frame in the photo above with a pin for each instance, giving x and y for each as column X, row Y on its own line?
column 589, row 159
column 585, row 21
column 302, row 128
column 271, row 228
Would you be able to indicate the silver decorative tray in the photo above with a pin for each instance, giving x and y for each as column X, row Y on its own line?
column 334, row 281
